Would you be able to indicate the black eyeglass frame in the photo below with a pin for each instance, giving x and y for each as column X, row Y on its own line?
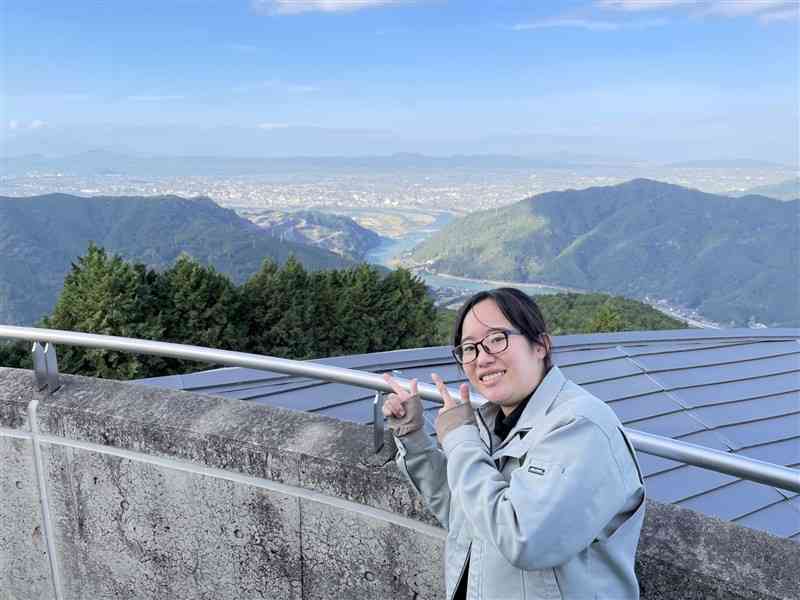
column 480, row 345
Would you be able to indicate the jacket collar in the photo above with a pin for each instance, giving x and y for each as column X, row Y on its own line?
column 538, row 406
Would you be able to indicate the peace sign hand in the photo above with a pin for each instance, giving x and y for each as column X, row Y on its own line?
column 453, row 414
column 403, row 408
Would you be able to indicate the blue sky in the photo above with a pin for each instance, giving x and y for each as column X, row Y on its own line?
column 653, row 79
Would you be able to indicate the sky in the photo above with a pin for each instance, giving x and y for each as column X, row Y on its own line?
column 634, row 79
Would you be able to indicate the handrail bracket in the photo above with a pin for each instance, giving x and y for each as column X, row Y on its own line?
column 45, row 367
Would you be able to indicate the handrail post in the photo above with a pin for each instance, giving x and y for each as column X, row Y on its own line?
column 39, row 366
column 51, row 362
column 377, row 421
column 45, row 367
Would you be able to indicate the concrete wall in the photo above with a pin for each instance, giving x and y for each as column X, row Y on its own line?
column 110, row 490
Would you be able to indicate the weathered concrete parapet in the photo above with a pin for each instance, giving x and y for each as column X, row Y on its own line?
column 163, row 494
column 684, row 554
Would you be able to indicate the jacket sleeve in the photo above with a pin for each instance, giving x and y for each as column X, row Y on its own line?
column 566, row 491
column 425, row 466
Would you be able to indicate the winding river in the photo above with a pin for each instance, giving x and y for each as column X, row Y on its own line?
column 392, row 249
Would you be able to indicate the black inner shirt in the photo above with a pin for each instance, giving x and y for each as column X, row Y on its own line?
column 503, row 424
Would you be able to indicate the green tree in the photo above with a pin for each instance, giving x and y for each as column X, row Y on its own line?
column 606, row 319
column 281, row 311
column 275, row 298
column 15, row 354
column 590, row 313
column 357, row 316
column 108, row 296
column 201, row 307
column 408, row 315
column 320, row 314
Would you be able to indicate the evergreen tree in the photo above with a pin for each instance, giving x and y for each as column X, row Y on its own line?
column 15, row 354
column 290, row 336
column 356, row 311
column 606, row 319
column 201, row 307
column 108, row 296
column 281, row 311
column 320, row 314
column 261, row 307
column 267, row 300
column 204, row 306
column 407, row 313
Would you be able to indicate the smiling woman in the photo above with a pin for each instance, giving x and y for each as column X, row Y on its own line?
column 539, row 489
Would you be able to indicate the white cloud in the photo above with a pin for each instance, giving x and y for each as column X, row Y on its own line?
column 271, row 126
column 294, row 7
column 766, row 11
column 589, row 24
column 639, row 5
column 746, row 7
column 15, row 125
column 577, row 23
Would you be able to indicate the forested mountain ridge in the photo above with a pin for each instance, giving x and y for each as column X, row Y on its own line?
column 785, row 190
column 341, row 235
column 733, row 259
column 41, row 236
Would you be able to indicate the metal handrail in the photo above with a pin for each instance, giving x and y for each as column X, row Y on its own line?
column 722, row 462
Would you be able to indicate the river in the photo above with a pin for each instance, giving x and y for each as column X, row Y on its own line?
column 391, row 249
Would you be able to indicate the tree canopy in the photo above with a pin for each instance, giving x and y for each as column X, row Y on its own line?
column 284, row 311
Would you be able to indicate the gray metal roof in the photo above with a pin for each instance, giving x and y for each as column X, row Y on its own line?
column 732, row 390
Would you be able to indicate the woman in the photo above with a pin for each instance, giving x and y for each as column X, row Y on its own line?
column 539, row 489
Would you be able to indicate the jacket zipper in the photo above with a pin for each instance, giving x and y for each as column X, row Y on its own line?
column 486, row 429
column 461, row 574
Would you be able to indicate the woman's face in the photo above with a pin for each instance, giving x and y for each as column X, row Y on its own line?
column 506, row 378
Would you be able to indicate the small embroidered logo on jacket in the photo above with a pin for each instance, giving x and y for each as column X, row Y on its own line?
column 536, row 470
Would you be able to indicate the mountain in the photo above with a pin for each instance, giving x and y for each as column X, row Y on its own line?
column 785, row 190
column 40, row 237
column 338, row 234
column 733, row 260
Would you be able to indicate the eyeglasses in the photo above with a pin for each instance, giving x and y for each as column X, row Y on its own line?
column 494, row 343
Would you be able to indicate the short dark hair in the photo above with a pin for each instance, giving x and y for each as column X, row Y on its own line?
column 521, row 311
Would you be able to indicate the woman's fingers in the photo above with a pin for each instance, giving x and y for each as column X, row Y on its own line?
column 446, row 398
column 393, row 404
column 464, row 391
column 394, row 384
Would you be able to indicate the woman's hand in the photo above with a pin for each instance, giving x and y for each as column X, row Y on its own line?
column 453, row 414
column 403, row 409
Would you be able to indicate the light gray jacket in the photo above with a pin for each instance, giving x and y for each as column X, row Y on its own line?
column 554, row 511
